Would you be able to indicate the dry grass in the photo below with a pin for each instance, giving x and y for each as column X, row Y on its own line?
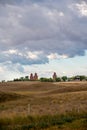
column 36, row 98
column 71, row 121
column 44, row 98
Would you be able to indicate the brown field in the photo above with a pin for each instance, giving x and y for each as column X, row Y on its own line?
column 18, row 100
column 37, row 98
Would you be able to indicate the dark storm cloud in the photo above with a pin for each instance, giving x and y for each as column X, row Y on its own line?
column 10, row 1
column 31, row 26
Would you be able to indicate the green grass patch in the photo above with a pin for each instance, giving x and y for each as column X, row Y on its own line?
column 75, row 121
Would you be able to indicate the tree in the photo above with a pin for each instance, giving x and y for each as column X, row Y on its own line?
column 58, row 79
column 3, row 81
column 26, row 78
column 42, row 79
column 50, row 80
column 64, row 78
column 16, row 79
column 46, row 79
column 21, row 79
column 82, row 77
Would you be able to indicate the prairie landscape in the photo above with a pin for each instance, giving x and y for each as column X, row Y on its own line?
column 43, row 106
column 43, row 64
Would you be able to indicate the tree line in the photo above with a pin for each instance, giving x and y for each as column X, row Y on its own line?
column 65, row 79
column 58, row 79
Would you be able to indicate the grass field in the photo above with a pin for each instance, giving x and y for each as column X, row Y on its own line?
column 47, row 106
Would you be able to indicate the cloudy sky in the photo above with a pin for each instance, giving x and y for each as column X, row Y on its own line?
column 43, row 36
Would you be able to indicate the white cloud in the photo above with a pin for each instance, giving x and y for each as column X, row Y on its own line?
column 61, row 14
column 81, row 8
column 64, row 56
column 48, row 29
column 1, row 70
column 12, row 51
column 53, row 56
column 37, row 32
column 54, row 15
column 33, row 55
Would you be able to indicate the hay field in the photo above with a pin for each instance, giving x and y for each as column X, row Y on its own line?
column 40, row 98
column 43, row 98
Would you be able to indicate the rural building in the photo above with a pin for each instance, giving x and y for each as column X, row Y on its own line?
column 33, row 77
column 54, row 76
column 77, row 78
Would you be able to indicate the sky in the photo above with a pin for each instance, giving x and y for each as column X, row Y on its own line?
column 43, row 36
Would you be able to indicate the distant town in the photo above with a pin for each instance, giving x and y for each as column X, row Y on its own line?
column 54, row 78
